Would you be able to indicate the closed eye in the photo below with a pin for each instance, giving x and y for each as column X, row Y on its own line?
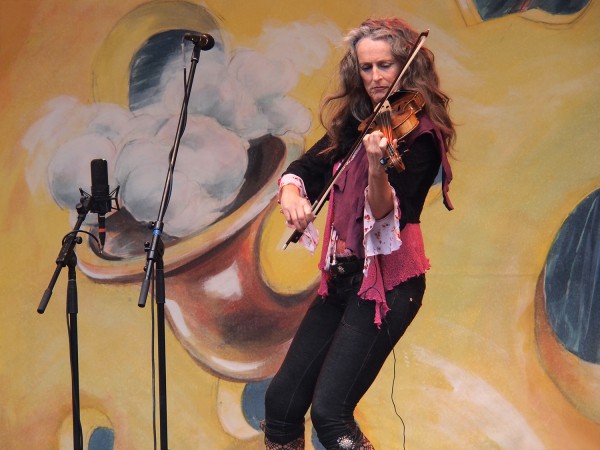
column 381, row 66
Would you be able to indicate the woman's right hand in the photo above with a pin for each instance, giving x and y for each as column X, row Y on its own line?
column 296, row 209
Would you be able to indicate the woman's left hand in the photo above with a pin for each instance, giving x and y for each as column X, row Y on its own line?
column 376, row 146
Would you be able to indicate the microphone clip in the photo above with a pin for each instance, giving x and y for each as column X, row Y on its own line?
column 101, row 204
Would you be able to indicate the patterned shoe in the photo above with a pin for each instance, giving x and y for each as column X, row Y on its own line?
column 352, row 443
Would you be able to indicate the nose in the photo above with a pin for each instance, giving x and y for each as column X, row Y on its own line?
column 377, row 74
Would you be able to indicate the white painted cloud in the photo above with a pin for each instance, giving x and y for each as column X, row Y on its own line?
column 234, row 99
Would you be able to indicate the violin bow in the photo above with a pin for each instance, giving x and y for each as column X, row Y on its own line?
column 320, row 201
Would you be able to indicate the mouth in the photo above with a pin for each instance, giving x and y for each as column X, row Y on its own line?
column 378, row 90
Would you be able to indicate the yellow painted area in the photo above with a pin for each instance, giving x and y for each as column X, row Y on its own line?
column 469, row 374
column 287, row 278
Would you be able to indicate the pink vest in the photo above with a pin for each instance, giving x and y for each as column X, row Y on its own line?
column 346, row 207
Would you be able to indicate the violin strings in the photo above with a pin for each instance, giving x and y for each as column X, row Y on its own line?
column 387, row 130
column 384, row 122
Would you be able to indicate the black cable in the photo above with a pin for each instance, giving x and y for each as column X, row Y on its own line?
column 80, row 231
column 394, row 368
column 392, row 395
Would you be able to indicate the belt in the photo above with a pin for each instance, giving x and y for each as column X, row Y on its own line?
column 345, row 266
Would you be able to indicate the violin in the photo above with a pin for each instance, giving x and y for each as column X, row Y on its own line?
column 399, row 115
column 396, row 118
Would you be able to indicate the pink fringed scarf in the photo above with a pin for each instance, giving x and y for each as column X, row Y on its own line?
column 383, row 272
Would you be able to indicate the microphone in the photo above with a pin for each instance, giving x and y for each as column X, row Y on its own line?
column 101, row 201
column 204, row 41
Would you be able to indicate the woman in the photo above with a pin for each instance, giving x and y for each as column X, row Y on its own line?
column 373, row 262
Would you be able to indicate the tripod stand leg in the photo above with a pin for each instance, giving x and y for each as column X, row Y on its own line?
column 162, row 375
column 162, row 365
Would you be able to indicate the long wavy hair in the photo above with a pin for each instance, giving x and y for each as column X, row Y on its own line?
column 351, row 100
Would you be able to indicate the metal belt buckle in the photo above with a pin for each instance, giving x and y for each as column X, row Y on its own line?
column 336, row 269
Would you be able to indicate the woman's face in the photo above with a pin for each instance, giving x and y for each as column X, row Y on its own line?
column 377, row 66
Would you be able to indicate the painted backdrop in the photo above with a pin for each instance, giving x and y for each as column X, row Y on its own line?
column 505, row 352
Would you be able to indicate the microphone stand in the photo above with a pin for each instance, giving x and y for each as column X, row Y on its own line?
column 67, row 257
column 154, row 255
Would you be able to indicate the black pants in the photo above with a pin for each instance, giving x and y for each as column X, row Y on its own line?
column 334, row 358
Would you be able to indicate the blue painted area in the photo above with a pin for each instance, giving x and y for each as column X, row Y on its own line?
column 102, row 438
column 148, row 64
column 147, row 67
column 572, row 284
column 491, row 9
column 253, row 402
column 315, row 441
